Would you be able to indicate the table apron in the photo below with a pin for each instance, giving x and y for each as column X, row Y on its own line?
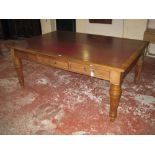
column 66, row 64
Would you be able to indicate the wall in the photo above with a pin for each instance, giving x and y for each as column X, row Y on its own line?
column 47, row 25
column 128, row 28
column 114, row 29
column 134, row 28
column 151, row 24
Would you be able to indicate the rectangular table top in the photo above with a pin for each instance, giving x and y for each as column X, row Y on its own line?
column 103, row 50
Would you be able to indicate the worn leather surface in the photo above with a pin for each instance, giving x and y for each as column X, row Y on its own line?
column 98, row 49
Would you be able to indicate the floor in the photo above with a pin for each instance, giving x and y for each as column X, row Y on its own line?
column 55, row 101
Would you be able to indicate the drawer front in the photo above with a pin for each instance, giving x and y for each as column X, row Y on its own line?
column 52, row 61
column 21, row 54
column 45, row 60
column 102, row 74
column 61, row 64
column 32, row 57
column 89, row 70
column 79, row 68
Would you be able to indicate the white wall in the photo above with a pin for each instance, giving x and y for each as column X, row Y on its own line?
column 151, row 24
column 134, row 28
column 127, row 28
column 47, row 25
column 114, row 29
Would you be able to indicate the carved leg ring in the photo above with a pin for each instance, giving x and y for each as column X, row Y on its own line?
column 115, row 94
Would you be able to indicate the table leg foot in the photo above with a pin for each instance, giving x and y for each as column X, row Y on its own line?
column 115, row 94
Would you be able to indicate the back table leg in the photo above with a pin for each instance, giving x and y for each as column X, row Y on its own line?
column 19, row 68
column 138, row 69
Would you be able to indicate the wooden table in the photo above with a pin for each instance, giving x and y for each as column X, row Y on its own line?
column 103, row 57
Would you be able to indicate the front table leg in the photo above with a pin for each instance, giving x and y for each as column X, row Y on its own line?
column 138, row 69
column 115, row 93
column 19, row 68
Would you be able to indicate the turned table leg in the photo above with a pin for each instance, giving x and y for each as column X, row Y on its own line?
column 138, row 69
column 19, row 68
column 115, row 93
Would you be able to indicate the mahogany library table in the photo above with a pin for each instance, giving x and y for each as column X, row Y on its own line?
column 104, row 57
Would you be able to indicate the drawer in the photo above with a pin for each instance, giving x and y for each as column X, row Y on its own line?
column 52, row 61
column 61, row 64
column 99, row 73
column 27, row 56
column 31, row 57
column 45, row 60
column 90, row 70
column 79, row 68
column 21, row 54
